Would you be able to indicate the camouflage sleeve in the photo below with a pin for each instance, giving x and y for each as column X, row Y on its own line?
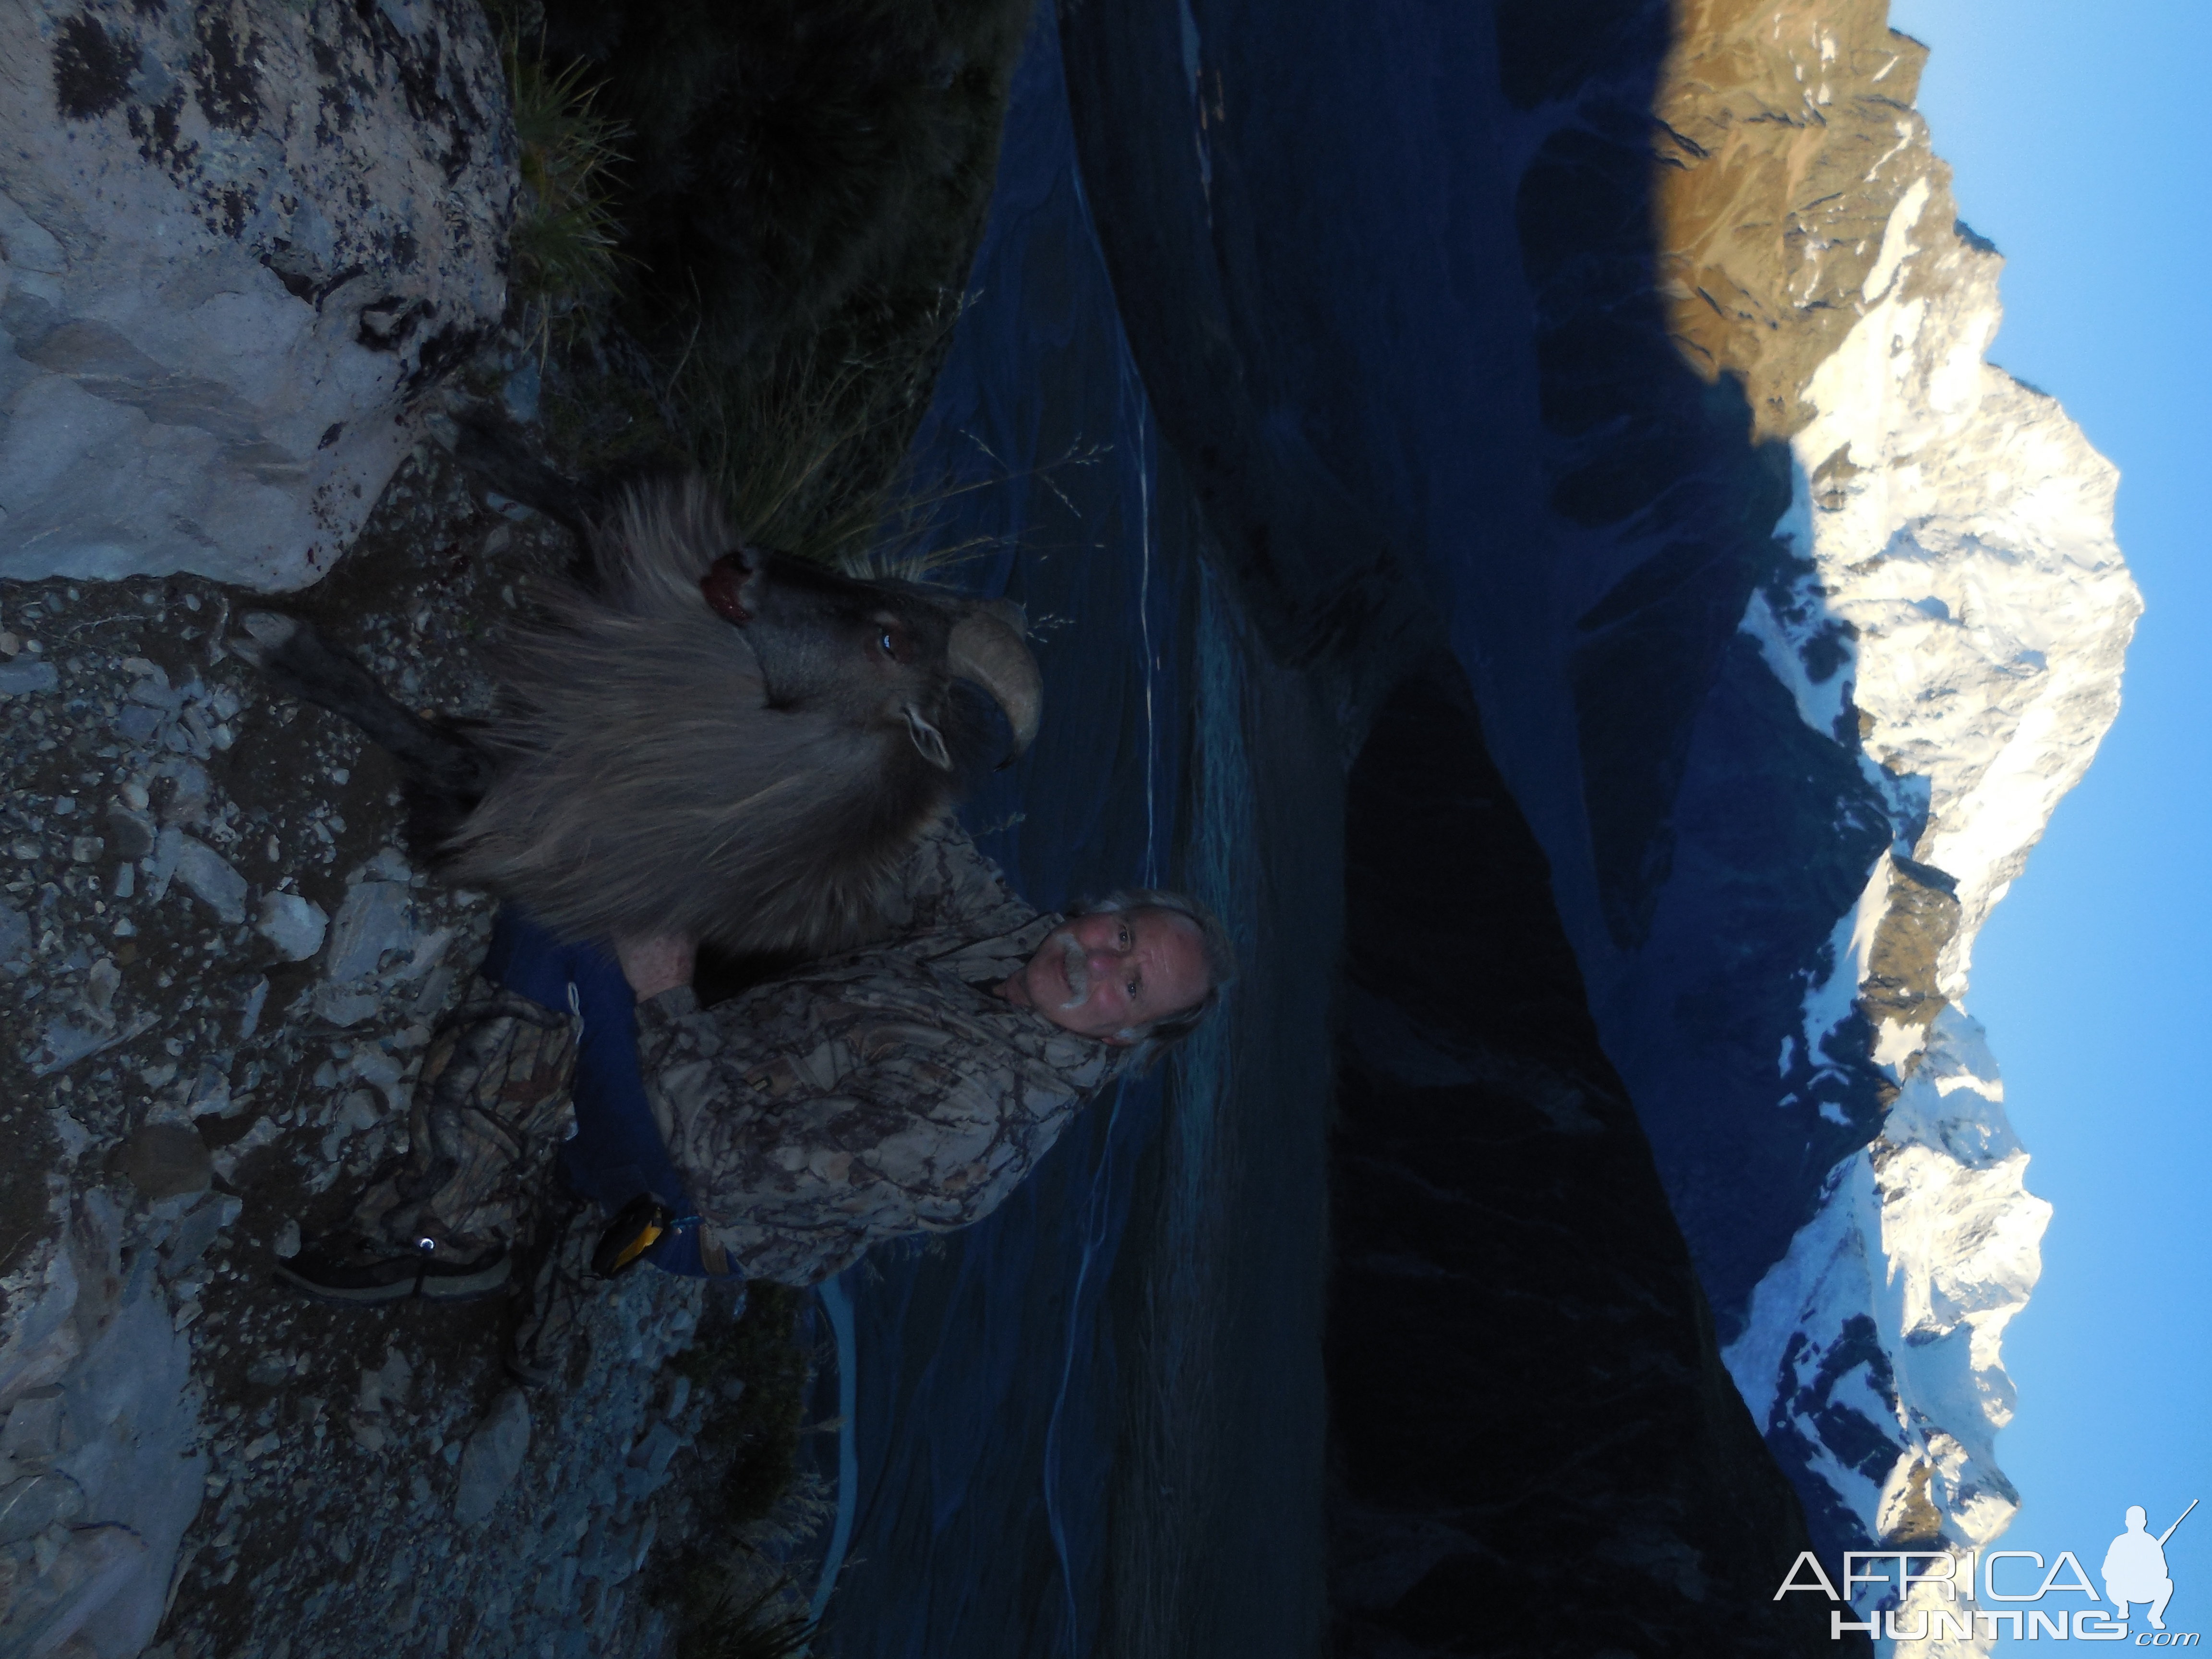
column 952, row 887
column 800, row 1153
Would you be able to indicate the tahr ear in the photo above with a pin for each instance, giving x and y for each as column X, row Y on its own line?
column 928, row 739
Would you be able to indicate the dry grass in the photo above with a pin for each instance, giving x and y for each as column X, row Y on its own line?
column 806, row 188
column 566, row 267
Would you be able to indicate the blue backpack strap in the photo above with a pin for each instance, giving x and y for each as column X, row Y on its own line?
column 617, row 1151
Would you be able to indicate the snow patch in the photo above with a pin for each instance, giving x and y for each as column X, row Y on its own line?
column 1830, row 1002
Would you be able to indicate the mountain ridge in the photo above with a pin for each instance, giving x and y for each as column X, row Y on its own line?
column 1961, row 619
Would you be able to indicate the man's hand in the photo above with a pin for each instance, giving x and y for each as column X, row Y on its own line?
column 657, row 963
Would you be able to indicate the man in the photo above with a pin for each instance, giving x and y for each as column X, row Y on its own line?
column 906, row 1087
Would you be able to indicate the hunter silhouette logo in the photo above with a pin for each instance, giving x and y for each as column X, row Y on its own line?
column 1984, row 1603
column 2135, row 1566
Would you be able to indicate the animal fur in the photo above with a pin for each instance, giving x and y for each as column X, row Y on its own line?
column 655, row 769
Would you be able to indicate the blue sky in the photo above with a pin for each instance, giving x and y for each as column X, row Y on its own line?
column 2082, row 147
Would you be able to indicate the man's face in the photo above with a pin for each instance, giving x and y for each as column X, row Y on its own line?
column 1114, row 972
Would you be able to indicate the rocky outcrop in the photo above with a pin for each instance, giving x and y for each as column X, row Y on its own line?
column 221, row 975
column 1784, row 143
column 237, row 240
column 103, row 1434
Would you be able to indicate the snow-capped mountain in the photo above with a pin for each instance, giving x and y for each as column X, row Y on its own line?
column 1958, row 527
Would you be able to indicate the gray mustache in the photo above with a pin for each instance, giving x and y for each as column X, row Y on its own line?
column 1077, row 964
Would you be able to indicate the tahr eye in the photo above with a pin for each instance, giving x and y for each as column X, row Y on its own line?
column 886, row 644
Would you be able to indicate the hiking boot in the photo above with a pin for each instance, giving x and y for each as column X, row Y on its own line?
column 354, row 1272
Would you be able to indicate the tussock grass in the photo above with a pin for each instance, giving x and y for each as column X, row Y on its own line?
column 804, row 167
column 754, row 1627
column 806, row 187
column 733, row 1598
column 565, row 266
column 810, row 456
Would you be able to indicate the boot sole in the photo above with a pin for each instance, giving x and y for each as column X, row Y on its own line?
column 346, row 1296
column 484, row 1282
column 473, row 1287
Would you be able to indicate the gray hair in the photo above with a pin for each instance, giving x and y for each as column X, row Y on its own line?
column 1219, row 952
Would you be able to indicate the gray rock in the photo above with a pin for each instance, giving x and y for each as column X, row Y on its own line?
column 383, row 1072
column 249, row 1018
column 199, row 737
column 390, row 1383
column 91, row 1567
column 359, row 1111
column 25, row 675
column 341, row 1006
column 237, row 240
column 376, row 917
column 168, row 848
column 294, row 925
column 163, row 1160
column 63, row 1044
column 187, row 804
column 210, row 1096
column 130, row 834
column 137, row 724
column 432, row 996
column 604, row 1488
column 28, row 1507
column 14, row 934
column 264, row 1131
column 388, row 865
column 133, row 1408
column 155, row 692
column 492, row 1457
column 207, row 875
column 652, row 1453
column 102, row 980
column 33, row 1429
column 196, row 1231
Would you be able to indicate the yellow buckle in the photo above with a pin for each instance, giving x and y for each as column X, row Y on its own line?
column 634, row 1231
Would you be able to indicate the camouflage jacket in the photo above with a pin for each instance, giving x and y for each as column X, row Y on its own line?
column 885, row 1093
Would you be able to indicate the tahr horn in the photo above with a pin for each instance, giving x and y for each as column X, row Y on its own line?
column 987, row 649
